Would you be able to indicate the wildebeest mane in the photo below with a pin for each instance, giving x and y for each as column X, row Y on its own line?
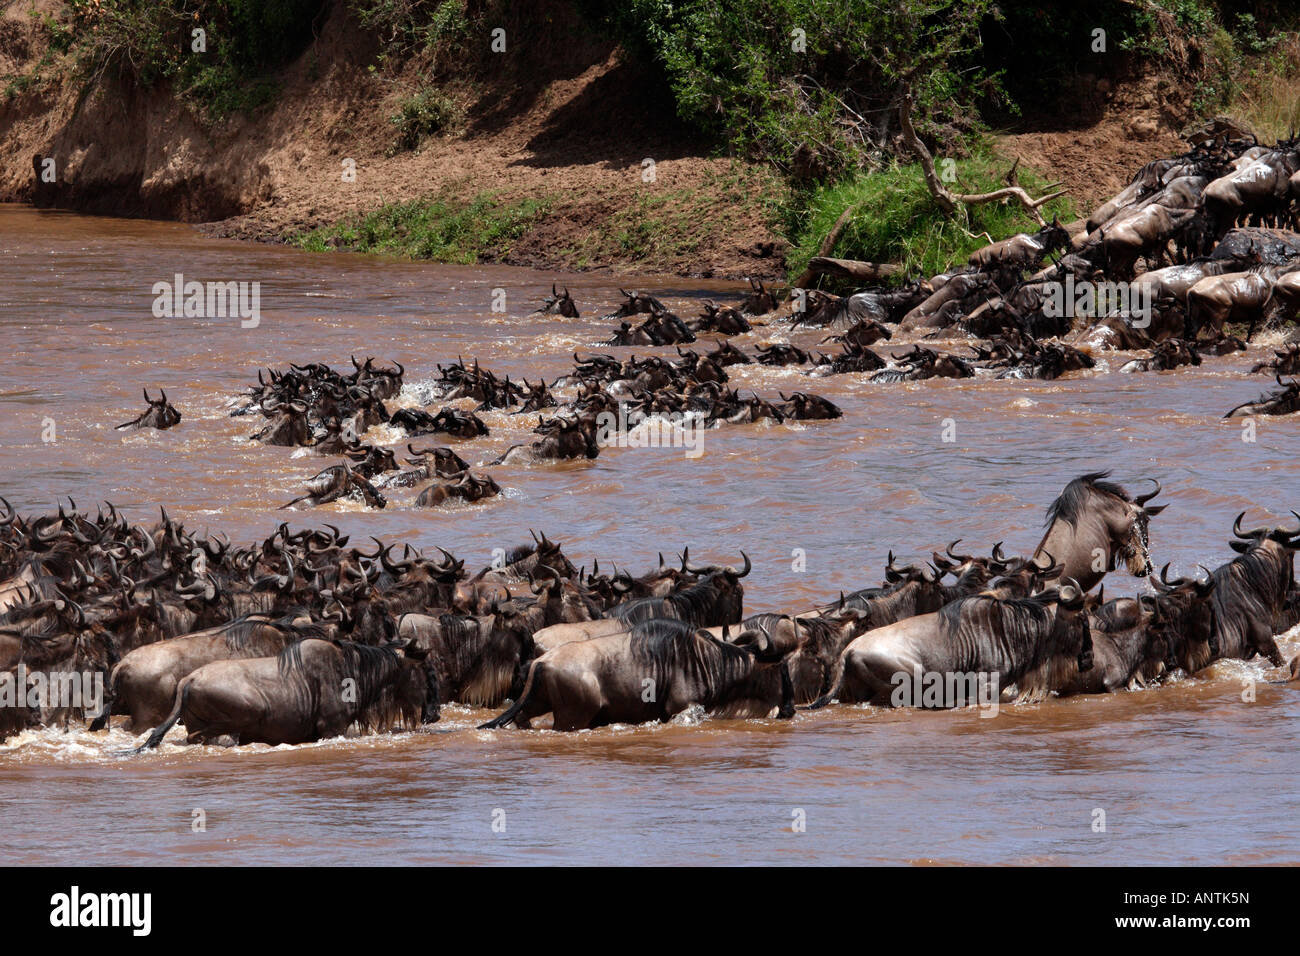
column 1069, row 505
column 1017, row 628
column 692, row 604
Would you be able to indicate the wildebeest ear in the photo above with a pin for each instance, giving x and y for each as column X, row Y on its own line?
column 1153, row 510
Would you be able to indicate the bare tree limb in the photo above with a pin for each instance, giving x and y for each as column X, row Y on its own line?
column 951, row 202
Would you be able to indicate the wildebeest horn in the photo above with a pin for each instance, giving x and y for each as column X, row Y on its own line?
column 1143, row 499
column 960, row 558
column 1247, row 535
column 1070, row 595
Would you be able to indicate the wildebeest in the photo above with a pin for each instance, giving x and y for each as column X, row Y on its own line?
column 657, row 671
column 312, row 690
column 478, row 659
column 1093, row 525
column 448, row 421
column 1126, row 645
column 1286, row 361
column 288, row 426
column 721, row 320
column 1169, row 354
column 143, row 684
column 160, row 414
column 801, row 406
column 1283, row 401
column 1036, row 643
column 335, row 482
column 440, row 462
column 1011, row 257
column 561, row 439
column 1251, row 590
column 1260, row 187
column 1215, row 301
column 466, row 486
column 717, row 598
column 561, row 303
column 759, row 301
column 634, row 303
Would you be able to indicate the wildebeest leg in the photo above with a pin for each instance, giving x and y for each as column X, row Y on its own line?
column 786, row 710
column 576, row 708
column 1263, row 642
column 868, row 679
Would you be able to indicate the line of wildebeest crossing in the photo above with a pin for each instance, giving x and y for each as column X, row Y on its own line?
column 304, row 637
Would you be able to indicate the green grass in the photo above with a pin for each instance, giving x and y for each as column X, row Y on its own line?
column 437, row 229
column 897, row 220
column 426, row 113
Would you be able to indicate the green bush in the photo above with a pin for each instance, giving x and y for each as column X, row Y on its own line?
column 896, row 219
column 814, row 85
column 427, row 113
column 246, row 41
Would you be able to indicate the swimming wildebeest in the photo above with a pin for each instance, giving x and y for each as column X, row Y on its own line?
column 466, row 486
column 657, row 671
column 312, row 690
column 759, row 301
column 558, row 302
column 1251, row 590
column 288, row 426
column 160, row 414
column 335, row 482
column 1284, row 401
column 1036, row 643
column 1094, row 525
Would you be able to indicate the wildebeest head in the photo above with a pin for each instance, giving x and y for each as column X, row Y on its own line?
column 440, row 461
column 559, row 302
column 759, row 301
column 801, row 406
column 1094, row 525
column 160, row 414
column 1183, row 612
column 1071, row 629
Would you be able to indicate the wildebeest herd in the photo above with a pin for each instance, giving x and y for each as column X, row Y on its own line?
column 304, row 636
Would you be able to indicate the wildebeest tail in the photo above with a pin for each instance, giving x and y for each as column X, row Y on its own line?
column 159, row 732
column 505, row 719
column 834, row 685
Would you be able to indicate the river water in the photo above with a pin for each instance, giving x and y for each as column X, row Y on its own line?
column 1186, row 773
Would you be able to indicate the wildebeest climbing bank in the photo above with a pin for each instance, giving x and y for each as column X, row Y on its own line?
column 864, row 469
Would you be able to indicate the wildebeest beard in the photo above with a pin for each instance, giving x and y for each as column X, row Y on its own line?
column 1032, row 647
column 373, row 671
column 733, row 684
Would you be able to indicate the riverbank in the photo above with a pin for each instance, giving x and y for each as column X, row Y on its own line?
column 571, row 157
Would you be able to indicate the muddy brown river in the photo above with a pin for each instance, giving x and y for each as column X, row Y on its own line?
column 1189, row 772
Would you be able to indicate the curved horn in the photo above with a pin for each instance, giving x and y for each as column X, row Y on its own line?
column 1143, row 499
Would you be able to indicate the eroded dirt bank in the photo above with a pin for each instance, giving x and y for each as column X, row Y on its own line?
column 568, row 125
